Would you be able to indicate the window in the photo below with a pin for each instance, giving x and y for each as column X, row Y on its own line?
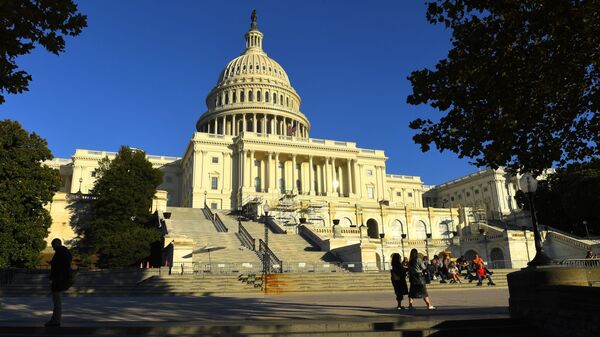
column 398, row 194
column 258, row 96
column 169, row 179
column 274, row 98
column 267, row 96
column 215, row 160
column 452, row 198
column 460, row 196
column 485, row 189
column 234, row 97
column 227, row 98
column 250, row 96
column 476, row 191
column 468, row 194
column 280, row 165
column 214, row 205
column 242, row 97
column 370, row 192
column 214, row 183
column 369, row 173
column 93, row 174
column 410, row 194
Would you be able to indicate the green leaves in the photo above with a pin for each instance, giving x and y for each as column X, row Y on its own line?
column 119, row 226
column 25, row 23
column 520, row 86
column 25, row 187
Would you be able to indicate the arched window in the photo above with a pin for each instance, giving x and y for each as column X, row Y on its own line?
column 281, row 99
column 250, row 96
column 234, row 97
column 227, row 98
column 267, row 96
column 287, row 101
column 420, row 230
column 242, row 96
column 220, row 99
column 216, row 101
column 274, row 98
column 258, row 96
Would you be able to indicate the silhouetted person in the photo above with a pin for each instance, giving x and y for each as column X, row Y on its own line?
column 61, row 279
column 416, row 267
column 399, row 279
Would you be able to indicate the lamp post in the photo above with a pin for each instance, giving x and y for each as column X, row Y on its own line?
column 487, row 256
column 381, row 237
column 266, row 209
column 336, row 222
column 205, row 193
column 526, row 243
column 428, row 236
column 528, row 184
column 80, row 181
column 381, row 203
column 403, row 236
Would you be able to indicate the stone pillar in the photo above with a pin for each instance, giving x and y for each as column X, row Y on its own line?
column 264, row 125
column 349, row 176
column 254, row 123
column 243, row 169
column 294, row 172
column 273, row 131
column 233, row 126
column 223, row 125
column 276, row 186
column 216, row 127
column 340, row 179
column 358, row 171
column 311, row 179
column 244, row 125
column 226, row 183
column 251, row 170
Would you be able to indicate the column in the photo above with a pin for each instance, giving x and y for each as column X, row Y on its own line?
column 254, row 123
column 264, row 124
column 242, row 169
column 223, row 132
column 273, row 131
column 233, row 126
column 226, row 183
column 294, row 172
column 244, row 127
column 252, row 175
column 276, row 186
column 340, row 178
column 349, row 176
column 203, row 166
column 384, row 183
column 311, row 180
column 334, row 177
column 359, row 188
column 377, row 184
column 216, row 122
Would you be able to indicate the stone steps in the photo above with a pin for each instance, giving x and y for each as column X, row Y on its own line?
column 348, row 327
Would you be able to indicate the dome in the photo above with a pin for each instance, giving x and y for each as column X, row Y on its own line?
column 253, row 88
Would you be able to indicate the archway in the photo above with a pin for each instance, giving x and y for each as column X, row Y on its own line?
column 497, row 258
column 372, row 229
column 420, row 230
column 396, row 229
column 345, row 222
column 470, row 254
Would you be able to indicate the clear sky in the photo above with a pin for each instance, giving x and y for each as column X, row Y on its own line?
column 139, row 74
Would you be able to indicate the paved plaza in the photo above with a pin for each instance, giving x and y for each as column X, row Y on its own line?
column 100, row 311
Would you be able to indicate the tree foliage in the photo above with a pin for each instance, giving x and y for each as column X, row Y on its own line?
column 568, row 197
column 25, row 187
column 118, row 227
column 520, row 86
column 27, row 23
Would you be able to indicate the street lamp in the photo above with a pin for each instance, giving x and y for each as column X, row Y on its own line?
column 205, row 193
column 528, row 184
column 266, row 209
column 80, row 181
column 403, row 236
column 487, row 256
column 381, row 236
column 336, row 222
column 428, row 236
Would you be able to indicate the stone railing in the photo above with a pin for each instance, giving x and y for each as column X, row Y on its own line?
column 568, row 240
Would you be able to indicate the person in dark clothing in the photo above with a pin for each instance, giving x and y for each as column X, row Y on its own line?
column 61, row 279
column 399, row 279
column 416, row 267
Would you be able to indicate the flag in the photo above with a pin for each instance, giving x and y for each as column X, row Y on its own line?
column 292, row 130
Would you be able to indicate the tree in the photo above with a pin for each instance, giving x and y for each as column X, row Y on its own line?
column 520, row 86
column 120, row 229
column 25, row 23
column 568, row 197
column 26, row 185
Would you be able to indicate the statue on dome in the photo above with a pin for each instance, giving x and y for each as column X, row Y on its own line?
column 253, row 18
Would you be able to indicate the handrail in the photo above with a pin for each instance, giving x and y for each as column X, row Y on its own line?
column 207, row 213
column 595, row 262
column 273, row 259
column 245, row 238
column 274, row 226
column 219, row 224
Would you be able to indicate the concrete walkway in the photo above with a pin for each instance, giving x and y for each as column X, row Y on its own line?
column 157, row 311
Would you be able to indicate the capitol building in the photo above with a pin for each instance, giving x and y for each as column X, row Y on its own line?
column 253, row 148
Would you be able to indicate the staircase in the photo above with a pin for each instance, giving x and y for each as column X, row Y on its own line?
column 192, row 223
column 342, row 282
column 292, row 249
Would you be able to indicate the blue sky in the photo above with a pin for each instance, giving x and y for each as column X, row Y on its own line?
column 139, row 73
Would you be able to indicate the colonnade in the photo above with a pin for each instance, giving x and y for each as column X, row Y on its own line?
column 277, row 172
column 234, row 124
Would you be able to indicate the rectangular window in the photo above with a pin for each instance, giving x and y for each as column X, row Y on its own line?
column 214, row 183
column 169, row 179
column 213, row 205
column 398, row 194
column 93, row 174
column 370, row 173
column 215, row 160
column 370, row 192
column 409, row 194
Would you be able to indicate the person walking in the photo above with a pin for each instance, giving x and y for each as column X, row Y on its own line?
column 399, row 279
column 416, row 267
column 61, row 279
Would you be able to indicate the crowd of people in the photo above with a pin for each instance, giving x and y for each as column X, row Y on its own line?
column 422, row 271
